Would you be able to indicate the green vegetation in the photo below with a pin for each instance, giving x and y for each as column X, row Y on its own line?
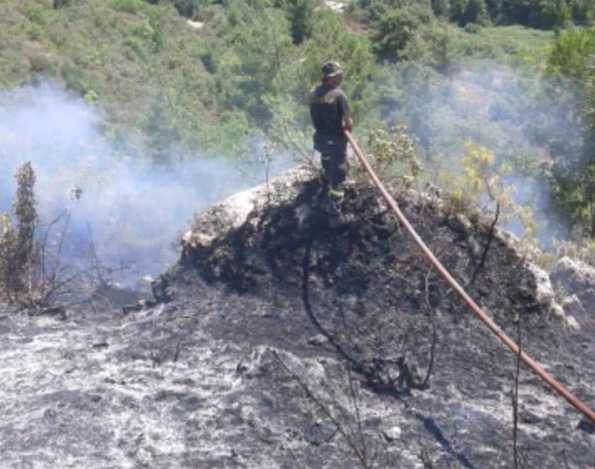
column 180, row 76
column 172, row 85
column 18, row 245
column 572, row 174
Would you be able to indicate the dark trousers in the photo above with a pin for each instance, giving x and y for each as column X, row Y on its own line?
column 333, row 149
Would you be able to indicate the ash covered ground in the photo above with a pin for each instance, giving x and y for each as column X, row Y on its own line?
column 278, row 342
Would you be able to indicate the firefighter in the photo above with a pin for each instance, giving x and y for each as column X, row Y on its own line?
column 331, row 114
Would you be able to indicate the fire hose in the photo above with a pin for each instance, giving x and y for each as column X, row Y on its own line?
column 479, row 312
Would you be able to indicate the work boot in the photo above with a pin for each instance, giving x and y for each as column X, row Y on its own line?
column 336, row 217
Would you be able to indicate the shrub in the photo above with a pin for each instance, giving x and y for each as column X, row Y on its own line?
column 17, row 245
column 548, row 14
column 393, row 153
column 41, row 64
column 481, row 185
column 299, row 14
column 35, row 32
column 441, row 8
column 469, row 11
column 74, row 78
column 36, row 12
column 58, row 4
column 8, row 248
column 472, row 28
column 394, row 30
column 476, row 12
column 131, row 6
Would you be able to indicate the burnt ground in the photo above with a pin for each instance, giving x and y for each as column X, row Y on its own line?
column 285, row 343
column 364, row 295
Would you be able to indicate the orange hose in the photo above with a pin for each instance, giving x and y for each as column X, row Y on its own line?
column 575, row 401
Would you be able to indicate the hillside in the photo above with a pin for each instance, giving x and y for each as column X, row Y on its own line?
column 275, row 341
column 166, row 83
column 284, row 343
column 129, row 57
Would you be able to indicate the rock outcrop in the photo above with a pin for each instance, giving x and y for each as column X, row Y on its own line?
column 282, row 342
column 575, row 281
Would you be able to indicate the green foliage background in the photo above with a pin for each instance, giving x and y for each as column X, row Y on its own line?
column 178, row 77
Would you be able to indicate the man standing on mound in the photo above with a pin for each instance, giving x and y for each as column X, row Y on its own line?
column 331, row 114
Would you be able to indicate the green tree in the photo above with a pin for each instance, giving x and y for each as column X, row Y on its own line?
column 392, row 33
column 573, row 173
column 163, row 134
column 464, row 12
column 332, row 40
column 547, row 14
column 17, row 246
column 300, row 14
column 441, row 8
column 476, row 12
column 263, row 51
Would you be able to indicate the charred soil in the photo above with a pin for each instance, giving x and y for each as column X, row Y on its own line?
column 364, row 295
column 279, row 342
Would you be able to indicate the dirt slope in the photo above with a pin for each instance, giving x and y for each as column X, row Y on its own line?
column 280, row 343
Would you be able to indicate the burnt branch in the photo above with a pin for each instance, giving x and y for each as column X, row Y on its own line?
column 487, row 245
column 515, row 401
column 348, row 434
column 425, row 384
column 325, row 410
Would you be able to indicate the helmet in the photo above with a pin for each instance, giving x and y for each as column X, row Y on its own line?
column 331, row 69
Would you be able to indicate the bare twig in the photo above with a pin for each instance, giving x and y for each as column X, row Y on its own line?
column 61, row 242
column 515, row 400
column 95, row 264
column 358, row 419
column 301, row 151
column 487, row 246
column 565, row 459
column 360, row 455
column 426, row 381
column 45, row 242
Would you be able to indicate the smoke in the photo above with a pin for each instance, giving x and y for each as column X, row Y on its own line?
column 131, row 213
column 122, row 209
column 513, row 112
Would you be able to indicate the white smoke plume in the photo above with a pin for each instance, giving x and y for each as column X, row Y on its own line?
column 131, row 211
column 511, row 112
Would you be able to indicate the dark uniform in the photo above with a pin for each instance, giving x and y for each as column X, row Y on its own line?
column 327, row 108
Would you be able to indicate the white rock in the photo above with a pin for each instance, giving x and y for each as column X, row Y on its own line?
column 195, row 24
column 232, row 212
column 575, row 278
column 546, row 296
column 337, row 7
column 544, row 291
column 392, row 433
column 572, row 305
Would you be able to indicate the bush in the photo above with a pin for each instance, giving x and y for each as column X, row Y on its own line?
column 464, row 12
column 393, row 153
column 547, row 14
column 188, row 8
column 441, row 8
column 132, row 6
column 476, row 12
column 17, row 245
column 41, row 64
column 392, row 33
column 299, row 14
column 74, row 78
column 58, row 4
column 36, row 13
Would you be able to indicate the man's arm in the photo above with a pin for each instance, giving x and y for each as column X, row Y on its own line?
column 346, row 108
column 347, row 122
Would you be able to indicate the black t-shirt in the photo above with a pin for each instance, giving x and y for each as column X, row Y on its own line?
column 327, row 107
